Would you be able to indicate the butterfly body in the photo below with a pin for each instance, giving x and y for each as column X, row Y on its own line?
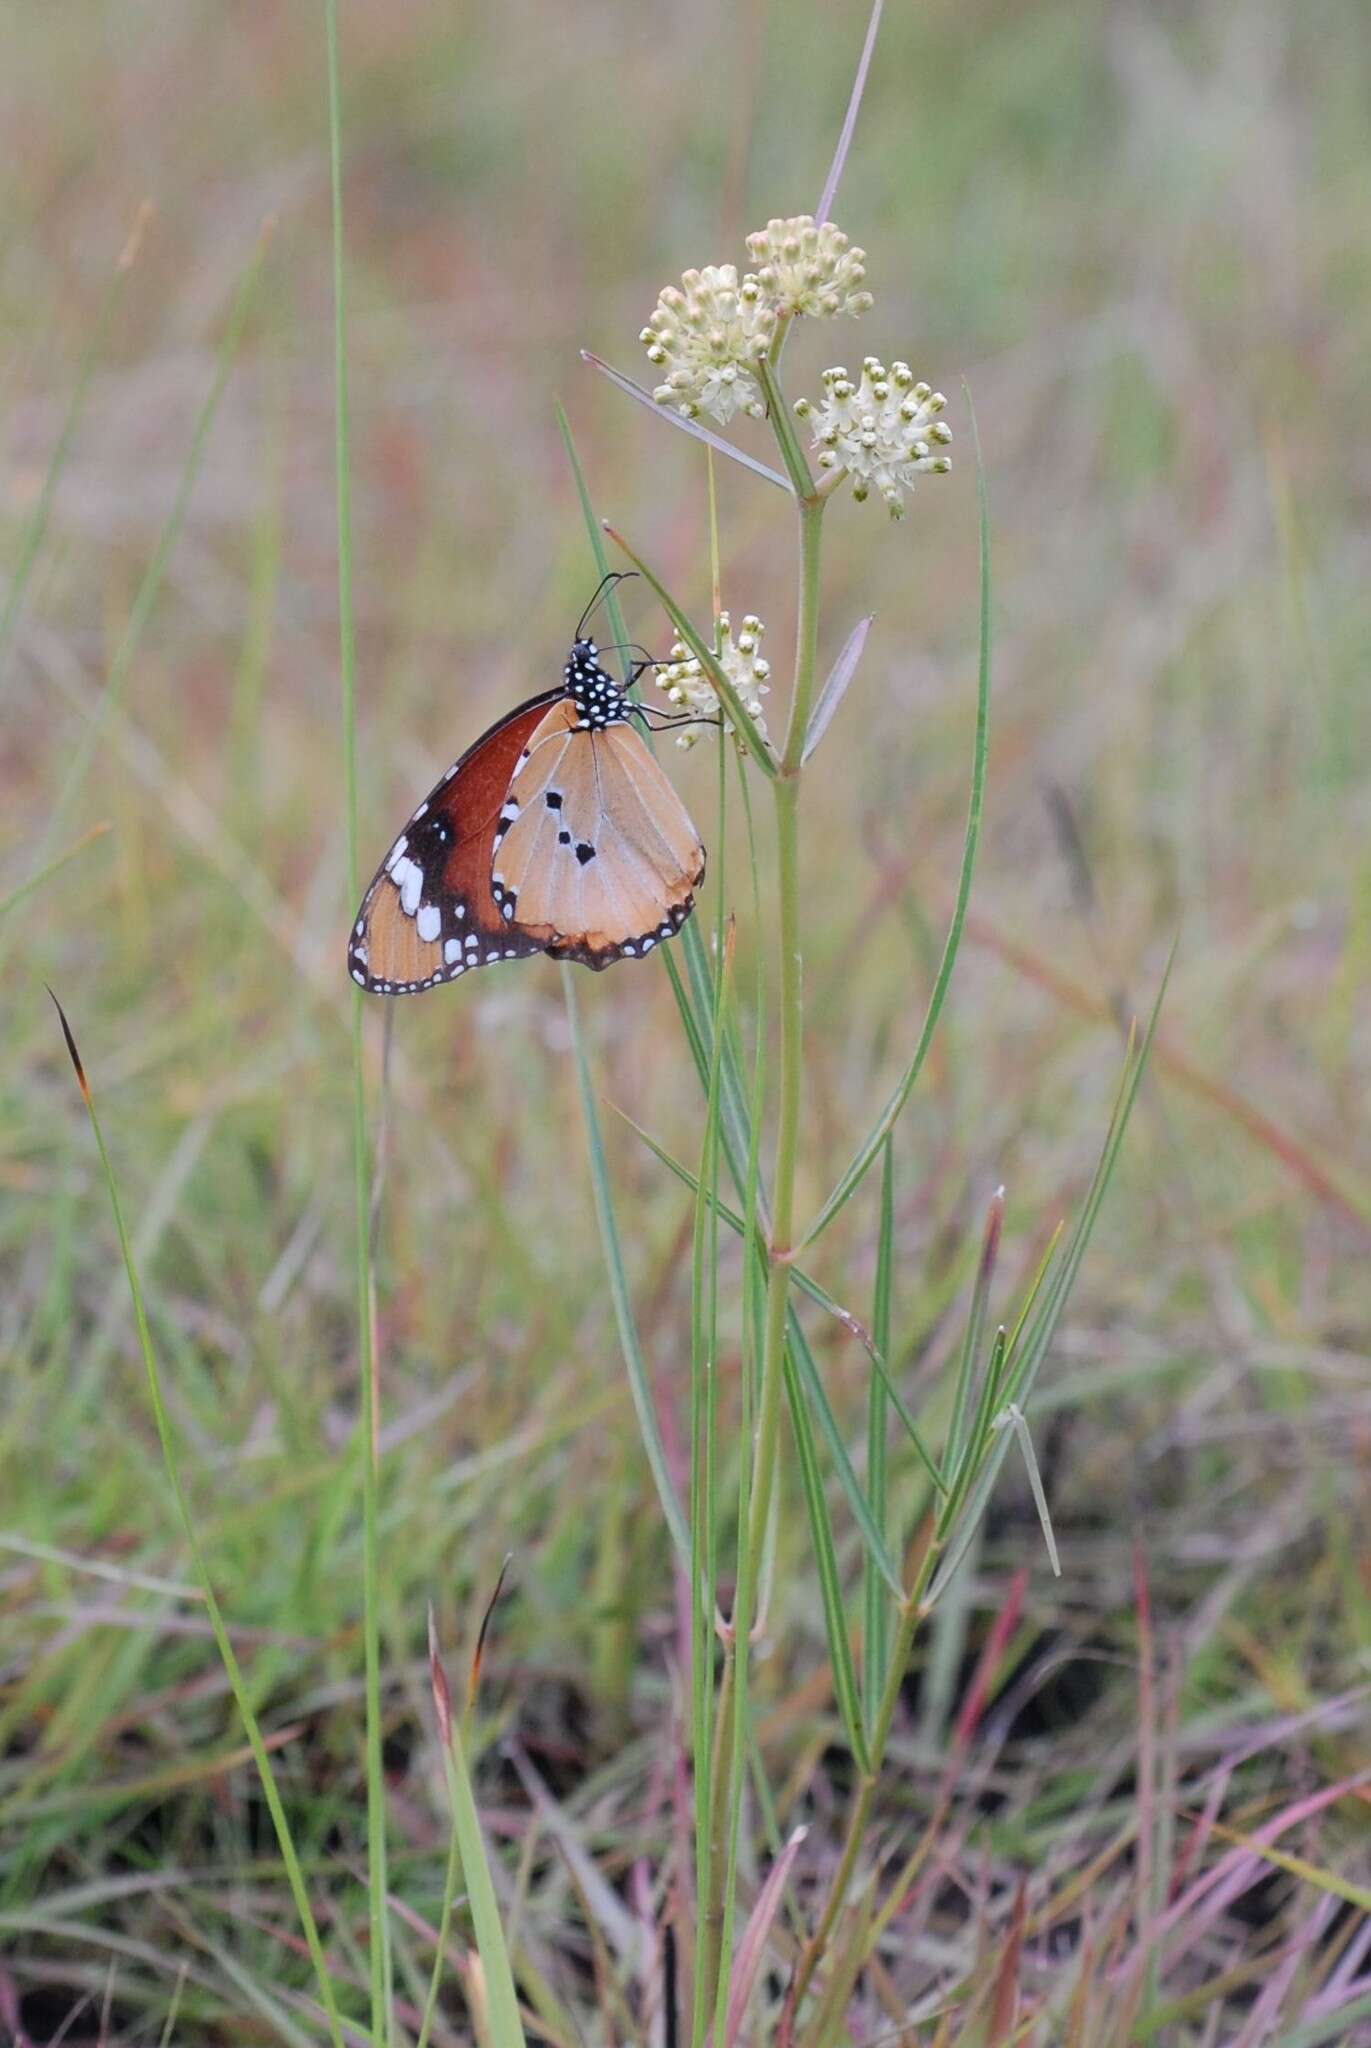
column 556, row 832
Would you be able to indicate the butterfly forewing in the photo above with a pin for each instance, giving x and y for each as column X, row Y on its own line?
column 430, row 913
column 599, row 858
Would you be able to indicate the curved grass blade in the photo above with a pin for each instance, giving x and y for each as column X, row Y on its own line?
column 57, row 461
column 1019, row 1378
column 629, row 1343
column 875, row 1615
column 870, row 1150
column 783, row 423
column 228, row 1656
column 506, row 2028
column 675, row 419
column 378, row 1884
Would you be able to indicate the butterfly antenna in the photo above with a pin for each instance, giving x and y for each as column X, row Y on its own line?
column 606, row 582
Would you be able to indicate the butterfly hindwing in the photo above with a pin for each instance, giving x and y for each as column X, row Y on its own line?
column 599, row 859
column 430, row 914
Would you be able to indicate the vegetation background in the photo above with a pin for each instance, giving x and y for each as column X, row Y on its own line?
column 1143, row 233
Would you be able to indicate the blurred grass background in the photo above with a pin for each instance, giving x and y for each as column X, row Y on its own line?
column 1143, row 234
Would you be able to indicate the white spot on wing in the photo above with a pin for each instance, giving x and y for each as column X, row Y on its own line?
column 429, row 923
column 452, row 951
column 396, row 854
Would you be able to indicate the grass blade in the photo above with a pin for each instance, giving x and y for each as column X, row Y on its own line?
column 233, row 1670
column 57, row 461
column 618, row 1285
column 875, row 1622
column 378, row 1917
column 869, row 1151
column 826, row 1559
column 506, row 2027
column 1019, row 1378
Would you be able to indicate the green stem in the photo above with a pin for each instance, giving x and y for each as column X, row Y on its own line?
column 786, row 789
column 911, row 1614
column 377, row 1916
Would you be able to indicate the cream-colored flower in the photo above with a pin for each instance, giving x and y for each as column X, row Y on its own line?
column 883, row 431
column 706, row 338
column 688, row 689
column 806, row 269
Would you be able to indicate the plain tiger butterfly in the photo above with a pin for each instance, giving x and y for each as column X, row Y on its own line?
column 556, row 832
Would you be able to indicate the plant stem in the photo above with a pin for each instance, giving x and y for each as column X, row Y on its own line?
column 378, row 1886
column 911, row 1614
column 786, row 788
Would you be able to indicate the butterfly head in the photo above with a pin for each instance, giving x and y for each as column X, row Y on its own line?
column 592, row 689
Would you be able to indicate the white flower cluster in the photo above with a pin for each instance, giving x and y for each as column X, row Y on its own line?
column 688, row 689
column 806, row 269
column 705, row 337
column 883, row 431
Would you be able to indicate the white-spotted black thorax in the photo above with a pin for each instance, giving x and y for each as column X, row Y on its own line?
column 598, row 699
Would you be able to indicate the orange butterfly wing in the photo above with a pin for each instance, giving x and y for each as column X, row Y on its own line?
column 598, row 856
column 430, row 914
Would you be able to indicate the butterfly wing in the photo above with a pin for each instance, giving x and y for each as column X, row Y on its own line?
column 598, row 860
column 430, row 914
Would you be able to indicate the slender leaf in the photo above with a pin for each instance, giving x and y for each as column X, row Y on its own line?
column 507, row 2029
column 836, row 688
column 675, row 419
column 835, row 169
column 629, row 1343
column 869, row 1151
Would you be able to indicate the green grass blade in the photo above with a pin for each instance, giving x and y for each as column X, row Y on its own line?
column 507, row 2029
column 36, row 530
column 84, row 752
column 1019, row 1379
column 826, row 1559
column 875, row 1613
column 618, row 1285
column 232, row 1669
column 26, row 888
column 975, row 1331
column 869, row 1151
column 378, row 1916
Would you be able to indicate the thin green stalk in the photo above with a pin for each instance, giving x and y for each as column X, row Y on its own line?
column 785, row 786
column 57, row 462
column 875, row 1632
column 382, row 2002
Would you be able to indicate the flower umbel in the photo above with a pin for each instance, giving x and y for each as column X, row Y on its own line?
column 883, row 431
column 687, row 688
column 806, row 269
column 706, row 337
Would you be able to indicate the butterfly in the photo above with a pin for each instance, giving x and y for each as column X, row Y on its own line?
column 556, row 832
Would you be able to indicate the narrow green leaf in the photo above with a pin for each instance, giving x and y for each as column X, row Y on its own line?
column 673, row 418
column 507, row 2030
column 629, row 1343
column 38, row 522
column 825, row 1555
column 869, row 1151
column 1018, row 1380
column 875, row 1614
